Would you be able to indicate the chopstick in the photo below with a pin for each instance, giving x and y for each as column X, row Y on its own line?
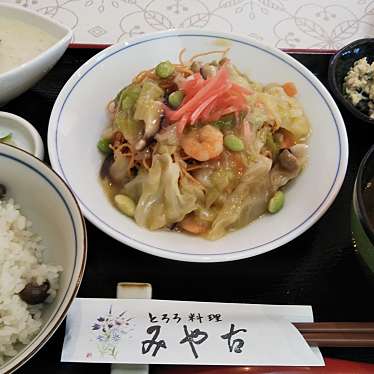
column 352, row 327
column 339, row 339
column 338, row 334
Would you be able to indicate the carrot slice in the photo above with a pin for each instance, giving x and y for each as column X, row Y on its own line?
column 290, row 89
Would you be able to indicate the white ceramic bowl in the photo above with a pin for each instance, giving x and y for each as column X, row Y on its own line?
column 55, row 214
column 16, row 81
column 79, row 116
column 24, row 135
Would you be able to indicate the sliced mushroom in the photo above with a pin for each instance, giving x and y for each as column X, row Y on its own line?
column 196, row 66
column 208, row 70
column 105, row 167
column 288, row 161
column 34, row 293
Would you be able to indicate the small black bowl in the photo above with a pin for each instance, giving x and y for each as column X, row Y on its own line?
column 339, row 66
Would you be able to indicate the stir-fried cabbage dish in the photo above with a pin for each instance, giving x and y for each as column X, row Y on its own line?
column 201, row 148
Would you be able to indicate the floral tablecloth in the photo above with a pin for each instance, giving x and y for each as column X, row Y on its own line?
column 295, row 24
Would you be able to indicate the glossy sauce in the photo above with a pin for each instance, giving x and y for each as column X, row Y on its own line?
column 110, row 189
column 21, row 42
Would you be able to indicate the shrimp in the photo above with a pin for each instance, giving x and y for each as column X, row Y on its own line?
column 203, row 144
column 194, row 225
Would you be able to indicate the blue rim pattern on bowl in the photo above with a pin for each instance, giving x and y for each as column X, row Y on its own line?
column 45, row 327
column 338, row 168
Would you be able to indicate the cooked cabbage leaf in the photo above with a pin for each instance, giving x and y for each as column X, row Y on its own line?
column 164, row 197
column 124, row 115
column 247, row 202
column 149, row 107
column 134, row 188
column 241, row 79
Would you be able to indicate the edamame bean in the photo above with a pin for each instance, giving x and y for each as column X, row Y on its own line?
column 276, row 202
column 6, row 138
column 125, row 205
column 103, row 145
column 233, row 143
column 175, row 99
column 165, row 69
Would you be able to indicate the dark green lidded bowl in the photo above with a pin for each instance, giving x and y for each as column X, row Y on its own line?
column 363, row 211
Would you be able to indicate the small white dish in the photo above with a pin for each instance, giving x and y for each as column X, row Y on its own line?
column 24, row 135
column 19, row 79
column 79, row 117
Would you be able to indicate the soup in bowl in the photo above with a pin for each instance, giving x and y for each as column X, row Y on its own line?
column 30, row 45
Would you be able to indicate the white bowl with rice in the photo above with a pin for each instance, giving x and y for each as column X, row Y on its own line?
column 42, row 254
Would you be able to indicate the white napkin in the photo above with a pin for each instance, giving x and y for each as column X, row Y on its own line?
column 180, row 332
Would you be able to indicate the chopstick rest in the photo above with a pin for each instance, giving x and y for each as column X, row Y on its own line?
column 128, row 290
